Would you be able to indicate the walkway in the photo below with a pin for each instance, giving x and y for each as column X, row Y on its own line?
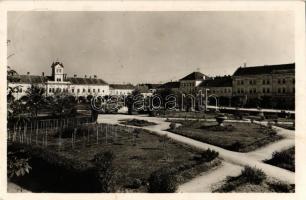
column 231, row 158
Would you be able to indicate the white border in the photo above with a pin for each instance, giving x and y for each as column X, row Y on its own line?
column 298, row 7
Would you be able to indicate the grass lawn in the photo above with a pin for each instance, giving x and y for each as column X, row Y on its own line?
column 241, row 137
column 136, row 157
column 284, row 159
column 136, row 122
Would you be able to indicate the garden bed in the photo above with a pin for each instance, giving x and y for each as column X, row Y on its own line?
column 284, row 159
column 137, row 154
column 253, row 180
column 136, row 122
column 241, row 137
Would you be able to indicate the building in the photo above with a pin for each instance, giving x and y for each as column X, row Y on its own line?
column 174, row 86
column 189, row 83
column 274, row 83
column 121, row 89
column 147, row 89
column 219, row 87
column 59, row 82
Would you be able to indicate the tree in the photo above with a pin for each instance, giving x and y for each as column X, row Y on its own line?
column 63, row 104
column 35, row 99
column 132, row 100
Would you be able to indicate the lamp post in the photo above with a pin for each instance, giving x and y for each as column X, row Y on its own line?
column 206, row 99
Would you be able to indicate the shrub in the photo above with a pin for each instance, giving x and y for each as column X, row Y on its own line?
column 280, row 187
column 236, row 146
column 16, row 165
column 163, row 180
column 253, row 175
column 284, row 159
column 135, row 183
column 172, row 126
column 209, row 155
column 56, row 173
column 105, row 172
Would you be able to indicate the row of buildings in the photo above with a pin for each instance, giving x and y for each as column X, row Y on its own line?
column 274, row 83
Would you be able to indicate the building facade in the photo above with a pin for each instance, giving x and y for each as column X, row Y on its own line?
column 189, row 83
column 275, row 83
column 59, row 82
column 121, row 89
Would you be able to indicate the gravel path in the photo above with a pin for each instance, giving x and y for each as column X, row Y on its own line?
column 233, row 160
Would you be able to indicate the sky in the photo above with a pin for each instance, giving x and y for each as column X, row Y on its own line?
column 148, row 47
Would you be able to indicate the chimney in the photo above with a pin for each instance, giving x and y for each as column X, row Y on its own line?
column 43, row 73
column 85, row 76
column 28, row 73
column 74, row 75
column 95, row 76
column 244, row 64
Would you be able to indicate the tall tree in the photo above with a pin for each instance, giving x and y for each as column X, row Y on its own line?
column 35, row 99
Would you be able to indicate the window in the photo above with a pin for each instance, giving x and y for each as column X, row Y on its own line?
column 72, row 90
column 268, row 90
column 263, row 90
column 251, row 82
column 268, row 81
column 103, row 91
column 98, row 89
column 263, row 82
column 279, row 90
column 284, row 90
column 241, row 82
column 83, row 90
column 279, row 81
column 53, row 89
column 50, row 90
column 88, row 90
column 284, row 81
column 78, row 90
column 94, row 90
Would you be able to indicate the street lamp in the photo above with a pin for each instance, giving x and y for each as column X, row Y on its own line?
column 206, row 99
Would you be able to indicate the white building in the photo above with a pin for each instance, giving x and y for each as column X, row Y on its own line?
column 59, row 82
column 121, row 89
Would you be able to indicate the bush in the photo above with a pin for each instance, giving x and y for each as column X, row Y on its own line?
column 105, row 172
column 172, row 126
column 236, row 146
column 56, row 173
column 253, row 175
column 284, row 159
column 280, row 187
column 209, row 155
column 163, row 180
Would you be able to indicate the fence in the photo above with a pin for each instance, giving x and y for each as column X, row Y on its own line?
column 67, row 133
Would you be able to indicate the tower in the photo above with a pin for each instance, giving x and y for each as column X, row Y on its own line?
column 57, row 71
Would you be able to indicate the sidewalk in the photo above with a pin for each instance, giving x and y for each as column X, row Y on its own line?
column 241, row 159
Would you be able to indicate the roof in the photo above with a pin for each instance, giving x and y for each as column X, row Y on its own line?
column 57, row 63
column 150, row 85
column 266, row 69
column 221, row 81
column 34, row 79
column 31, row 79
column 122, row 86
column 194, row 76
column 86, row 81
column 170, row 85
